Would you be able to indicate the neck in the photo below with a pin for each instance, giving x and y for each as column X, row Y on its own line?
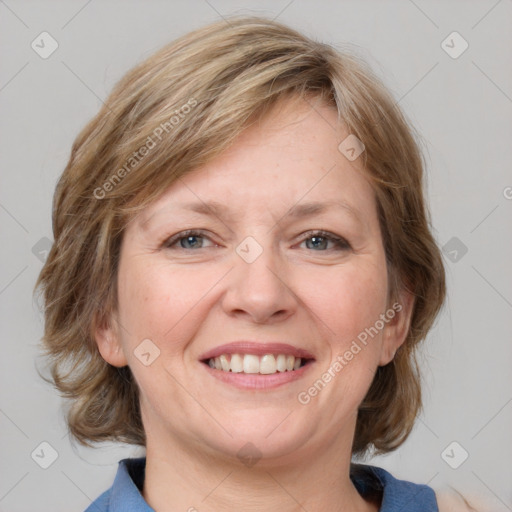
column 186, row 478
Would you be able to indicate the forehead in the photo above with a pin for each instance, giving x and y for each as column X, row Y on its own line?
column 288, row 158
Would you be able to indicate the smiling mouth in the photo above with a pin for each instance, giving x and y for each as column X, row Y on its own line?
column 267, row 364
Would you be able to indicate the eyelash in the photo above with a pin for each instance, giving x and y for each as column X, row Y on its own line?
column 340, row 243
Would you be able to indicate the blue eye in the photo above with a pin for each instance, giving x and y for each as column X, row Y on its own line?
column 321, row 239
column 187, row 240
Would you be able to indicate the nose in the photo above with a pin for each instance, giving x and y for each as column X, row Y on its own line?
column 260, row 290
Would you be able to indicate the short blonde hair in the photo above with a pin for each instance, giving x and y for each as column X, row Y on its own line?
column 185, row 105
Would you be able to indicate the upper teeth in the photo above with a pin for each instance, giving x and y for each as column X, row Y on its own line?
column 249, row 363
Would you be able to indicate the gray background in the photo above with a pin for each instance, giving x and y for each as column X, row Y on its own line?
column 463, row 109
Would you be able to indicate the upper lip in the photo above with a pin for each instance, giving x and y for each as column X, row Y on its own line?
column 256, row 348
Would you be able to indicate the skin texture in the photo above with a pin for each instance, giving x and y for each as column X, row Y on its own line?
column 306, row 292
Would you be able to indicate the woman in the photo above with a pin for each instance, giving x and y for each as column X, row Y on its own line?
column 242, row 271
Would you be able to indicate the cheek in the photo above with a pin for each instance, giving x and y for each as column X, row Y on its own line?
column 349, row 301
column 161, row 303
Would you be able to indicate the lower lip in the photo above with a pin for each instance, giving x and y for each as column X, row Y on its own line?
column 257, row 380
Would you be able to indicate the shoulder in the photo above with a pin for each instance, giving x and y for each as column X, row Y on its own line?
column 402, row 495
column 451, row 500
column 125, row 493
column 393, row 493
column 100, row 504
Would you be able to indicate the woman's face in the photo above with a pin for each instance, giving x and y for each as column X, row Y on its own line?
column 285, row 265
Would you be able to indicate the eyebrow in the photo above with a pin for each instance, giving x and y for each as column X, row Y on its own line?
column 296, row 212
column 313, row 208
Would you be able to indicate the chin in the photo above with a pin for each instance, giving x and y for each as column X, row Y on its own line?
column 265, row 440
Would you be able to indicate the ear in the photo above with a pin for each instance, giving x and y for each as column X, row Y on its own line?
column 108, row 340
column 397, row 328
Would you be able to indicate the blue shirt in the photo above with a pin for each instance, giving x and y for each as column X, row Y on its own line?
column 397, row 495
